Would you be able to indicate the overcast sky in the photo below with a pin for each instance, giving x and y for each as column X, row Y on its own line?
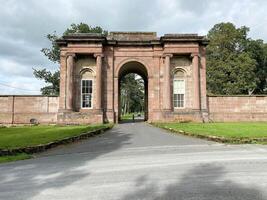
column 25, row 23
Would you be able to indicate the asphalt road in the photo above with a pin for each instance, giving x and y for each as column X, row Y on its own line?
column 137, row 161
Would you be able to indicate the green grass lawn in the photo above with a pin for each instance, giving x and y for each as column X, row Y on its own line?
column 241, row 130
column 24, row 136
column 21, row 156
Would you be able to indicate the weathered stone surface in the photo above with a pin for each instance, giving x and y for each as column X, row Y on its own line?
column 237, row 108
column 20, row 109
column 154, row 58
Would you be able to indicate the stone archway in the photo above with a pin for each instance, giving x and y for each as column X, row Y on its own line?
column 153, row 58
column 139, row 68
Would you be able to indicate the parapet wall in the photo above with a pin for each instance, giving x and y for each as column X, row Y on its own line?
column 237, row 108
column 18, row 109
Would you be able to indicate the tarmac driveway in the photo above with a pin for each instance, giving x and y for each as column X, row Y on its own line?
column 128, row 135
column 138, row 161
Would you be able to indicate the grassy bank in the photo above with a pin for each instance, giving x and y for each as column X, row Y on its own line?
column 30, row 136
column 21, row 156
column 24, row 136
column 242, row 132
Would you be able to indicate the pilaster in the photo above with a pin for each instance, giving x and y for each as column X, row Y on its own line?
column 69, row 82
column 167, row 83
column 98, row 81
column 195, row 64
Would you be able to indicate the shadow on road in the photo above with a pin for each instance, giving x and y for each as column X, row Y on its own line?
column 26, row 179
column 125, row 121
column 205, row 182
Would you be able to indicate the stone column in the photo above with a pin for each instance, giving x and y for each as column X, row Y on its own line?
column 69, row 85
column 98, row 81
column 195, row 63
column 167, row 83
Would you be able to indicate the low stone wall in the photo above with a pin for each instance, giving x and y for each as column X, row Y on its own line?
column 237, row 108
column 20, row 109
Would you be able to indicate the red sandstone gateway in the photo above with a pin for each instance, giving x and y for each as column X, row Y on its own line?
column 172, row 66
column 91, row 66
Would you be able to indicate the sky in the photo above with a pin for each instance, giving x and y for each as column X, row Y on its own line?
column 24, row 25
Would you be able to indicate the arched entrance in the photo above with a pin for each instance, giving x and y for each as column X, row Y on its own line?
column 168, row 97
column 138, row 68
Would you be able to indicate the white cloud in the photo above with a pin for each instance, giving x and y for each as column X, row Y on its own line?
column 24, row 25
column 19, row 85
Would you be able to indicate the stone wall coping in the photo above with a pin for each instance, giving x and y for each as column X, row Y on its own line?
column 25, row 95
column 259, row 95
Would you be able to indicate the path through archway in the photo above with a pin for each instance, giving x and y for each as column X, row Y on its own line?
column 138, row 71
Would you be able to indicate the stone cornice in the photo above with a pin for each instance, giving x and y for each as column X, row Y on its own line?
column 178, row 38
column 81, row 38
column 128, row 41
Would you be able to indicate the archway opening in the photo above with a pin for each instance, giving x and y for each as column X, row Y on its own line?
column 133, row 92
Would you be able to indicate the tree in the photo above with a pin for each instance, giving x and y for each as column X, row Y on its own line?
column 132, row 94
column 48, row 77
column 258, row 51
column 231, row 69
column 53, row 54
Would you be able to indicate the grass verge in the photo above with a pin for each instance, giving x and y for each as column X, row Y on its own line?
column 24, row 136
column 22, row 156
column 241, row 132
column 17, row 138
